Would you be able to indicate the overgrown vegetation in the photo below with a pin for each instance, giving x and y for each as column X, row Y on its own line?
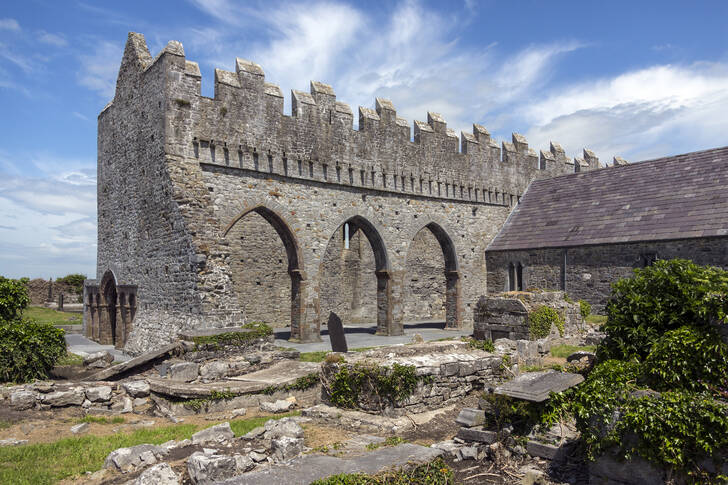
column 197, row 404
column 659, row 388
column 300, row 384
column 595, row 319
column 565, row 350
column 48, row 463
column 28, row 349
column 367, row 382
column 433, row 473
column 390, row 441
column 486, row 345
column 541, row 319
column 584, row 309
column 75, row 281
column 254, row 331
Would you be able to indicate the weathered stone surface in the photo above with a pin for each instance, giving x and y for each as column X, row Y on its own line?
column 159, row 474
column 478, row 434
column 286, row 448
column 126, row 459
column 183, row 371
column 101, row 359
column 80, row 428
column 12, row 442
column 469, row 417
column 23, row 399
column 218, row 433
column 275, row 407
column 308, row 468
column 214, row 370
column 206, row 469
column 98, row 393
column 536, row 386
column 136, row 388
column 243, row 463
column 143, row 359
column 72, row 397
column 336, row 333
column 286, row 427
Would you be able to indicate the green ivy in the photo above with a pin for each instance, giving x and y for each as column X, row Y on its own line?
column 301, row 384
column 258, row 330
column 363, row 380
column 662, row 297
column 485, row 345
column 541, row 319
column 201, row 402
column 433, row 473
column 584, row 308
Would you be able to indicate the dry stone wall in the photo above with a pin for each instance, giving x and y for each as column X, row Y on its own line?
column 178, row 172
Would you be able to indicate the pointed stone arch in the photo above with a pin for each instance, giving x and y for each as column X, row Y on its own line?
column 383, row 271
column 108, row 317
column 453, row 294
column 275, row 217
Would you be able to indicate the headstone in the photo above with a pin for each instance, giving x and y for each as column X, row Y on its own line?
column 60, row 302
column 50, row 290
column 536, row 386
column 336, row 333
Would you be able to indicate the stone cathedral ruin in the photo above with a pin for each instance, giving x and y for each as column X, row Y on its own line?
column 217, row 211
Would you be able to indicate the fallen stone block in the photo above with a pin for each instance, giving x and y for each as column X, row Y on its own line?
column 80, row 428
column 98, row 393
column 183, row 371
column 120, row 369
column 218, row 433
column 206, row 469
column 99, row 360
column 214, row 370
column 470, row 417
column 277, row 428
column 73, row 397
column 243, row 463
column 536, row 386
column 12, row 442
column 127, row 459
column 478, row 434
column 159, row 474
column 239, row 412
column 136, row 388
column 286, row 448
column 23, row 399
column 279, row 406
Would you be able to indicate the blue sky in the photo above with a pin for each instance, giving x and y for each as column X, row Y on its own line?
column 635, row 79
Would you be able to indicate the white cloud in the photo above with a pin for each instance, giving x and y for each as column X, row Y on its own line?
column 100, row 68
column 641, row 114
column 57, row 40
column 9, row 24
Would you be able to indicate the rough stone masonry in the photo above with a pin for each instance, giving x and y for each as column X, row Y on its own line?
column 217, row 211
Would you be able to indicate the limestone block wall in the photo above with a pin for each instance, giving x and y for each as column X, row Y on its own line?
column 589, row 271
column 180, row 172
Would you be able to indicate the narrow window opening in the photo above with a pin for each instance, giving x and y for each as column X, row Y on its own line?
column 255, row 161
column 300, row 168
column 270, row 163
column 326, row 171
column 310, row 169
column 519, row 275
column 346, row 235
column 285, row 166
column 511, row 277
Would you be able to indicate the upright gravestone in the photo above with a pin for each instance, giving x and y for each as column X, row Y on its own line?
column 336, row 334
column 60, row 302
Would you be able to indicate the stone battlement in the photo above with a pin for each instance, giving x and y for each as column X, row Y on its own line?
column 244, row 126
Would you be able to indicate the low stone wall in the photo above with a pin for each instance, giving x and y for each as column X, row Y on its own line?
column 506, row 315
column 449, row 370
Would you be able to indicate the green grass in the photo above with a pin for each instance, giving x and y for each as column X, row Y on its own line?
column 594, row 319
column 49, row 315
column 48, row 463
column 313, row 356
column 5, row 424
column 70, row 359
column 564, row 350
column 101, row 419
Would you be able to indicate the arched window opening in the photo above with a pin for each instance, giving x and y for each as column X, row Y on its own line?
column 519, row 276
column 511, row 277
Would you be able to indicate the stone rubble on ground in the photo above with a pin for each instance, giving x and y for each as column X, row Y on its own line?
column 98, row 360
column 80, row 428
column 129, row 459
column 219, row 433
column 159, row 474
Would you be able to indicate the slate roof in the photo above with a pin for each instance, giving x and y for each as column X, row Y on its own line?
column 684, row 196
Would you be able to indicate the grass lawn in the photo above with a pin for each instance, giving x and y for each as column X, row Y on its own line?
column 47, row 463
column 70, row 359
column 596, row 319
column 564, row 350
column 54, row 317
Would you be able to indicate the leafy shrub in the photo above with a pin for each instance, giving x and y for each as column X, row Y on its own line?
column 541, row 319
column 13, row 298
column 29, row 350
column 659, row 298
column 75, row 281
column 485, row 345
column 367, row 381
column 687, row 358
column 584, row 308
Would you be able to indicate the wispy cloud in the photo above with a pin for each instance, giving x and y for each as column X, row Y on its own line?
column 56, row 40
column 9, row 24
column 99, row 69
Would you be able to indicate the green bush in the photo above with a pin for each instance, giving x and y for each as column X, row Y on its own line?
column 485, row 345
column 13, row 298
column 75, row 281
column 659, row 298
column 29, row 350
column 584, row 308
column 687, row 358
column 541, row 319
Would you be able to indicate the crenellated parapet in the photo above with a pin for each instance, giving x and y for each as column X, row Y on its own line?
column 244, row 126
